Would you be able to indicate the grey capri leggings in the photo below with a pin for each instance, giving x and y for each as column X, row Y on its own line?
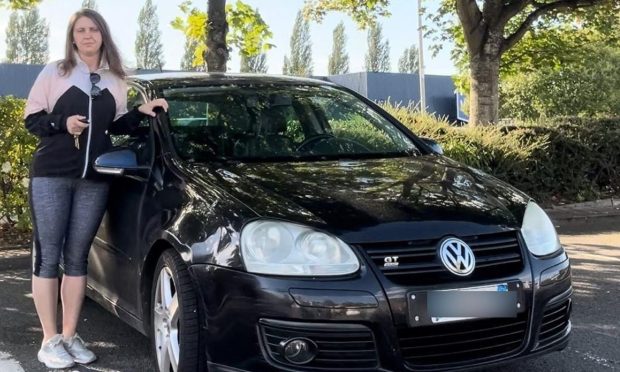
column 66, row 214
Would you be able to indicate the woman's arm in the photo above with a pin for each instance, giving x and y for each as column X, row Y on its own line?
column 37, row 118
column 126, row 123
column 129, row 121
column 43, row 124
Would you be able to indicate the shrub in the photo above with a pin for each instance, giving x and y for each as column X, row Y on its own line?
column 583, row 87
column 563, row 159
column 358, row 129
column 16, row 148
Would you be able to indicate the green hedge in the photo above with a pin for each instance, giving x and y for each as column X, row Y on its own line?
column 16, row 147
column 560, row 160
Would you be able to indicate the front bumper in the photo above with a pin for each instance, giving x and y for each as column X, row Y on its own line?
column 359, row 323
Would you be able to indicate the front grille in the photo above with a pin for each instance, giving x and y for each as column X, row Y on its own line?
column 341, row 347
column 554, row 324
column 497, row 255
column 458, row 342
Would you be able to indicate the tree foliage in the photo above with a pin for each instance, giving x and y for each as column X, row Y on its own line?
column 13, row 38
column 300, row 61
column 408, row 62
column 16, row 148
column 285, row 65
column 509, row 37
column 364, row 12
column 249, row 33
column 148, row 47
column 26, row 38
column 338, row 59
column 378, row 54
column 189, row 56
column 586, row 87
column 254, row 64
column 90, row 4
column 485, row 29
column 19, row 4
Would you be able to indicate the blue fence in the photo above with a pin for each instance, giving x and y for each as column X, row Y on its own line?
column 403, row 89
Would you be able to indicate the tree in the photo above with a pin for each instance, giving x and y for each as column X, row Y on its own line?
column 90, row 4
column 13, row 39
column 338, row 59
column 365, row 13
column 217, row 28
column 148, row 47
column 189, row 56
column 378, row 55
column 300, row 61
column 488, row 29
column 489, row 32
column 576, row 72
column 248, row 32
column 408, row 62
column 26, row 38
column 255, row 64
column 19, row 4
column 286, row 65
column 574, row 90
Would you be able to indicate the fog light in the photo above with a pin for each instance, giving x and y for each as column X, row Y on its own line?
column 299, row 350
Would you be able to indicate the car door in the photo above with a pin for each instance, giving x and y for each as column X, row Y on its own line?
column 116, row 253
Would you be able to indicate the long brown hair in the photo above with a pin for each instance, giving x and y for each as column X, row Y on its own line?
column 109, row 51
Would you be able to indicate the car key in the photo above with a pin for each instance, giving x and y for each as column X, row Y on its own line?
column 76, row 137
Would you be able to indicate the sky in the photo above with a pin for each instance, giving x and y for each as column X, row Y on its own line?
column 400, row 29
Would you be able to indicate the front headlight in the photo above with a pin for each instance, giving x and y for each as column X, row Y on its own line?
column 538, row 231
column 281, row 248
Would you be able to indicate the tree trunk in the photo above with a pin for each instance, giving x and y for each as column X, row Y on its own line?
column 216, row 54
column 484, row 93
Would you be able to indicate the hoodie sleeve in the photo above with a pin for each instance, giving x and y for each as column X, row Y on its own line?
column 38, row 119
column 125, row 121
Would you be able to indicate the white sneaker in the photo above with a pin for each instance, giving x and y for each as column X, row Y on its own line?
column 77, row 348
column 54, row 355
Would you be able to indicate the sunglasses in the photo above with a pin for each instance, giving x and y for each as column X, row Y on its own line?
column 95, row 91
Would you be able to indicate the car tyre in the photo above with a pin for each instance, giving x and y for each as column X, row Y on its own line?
column 174, row 322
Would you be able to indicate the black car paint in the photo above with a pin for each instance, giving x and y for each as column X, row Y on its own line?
column 200, row 209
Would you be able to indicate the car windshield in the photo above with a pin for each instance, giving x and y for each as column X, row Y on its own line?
column 279, row 123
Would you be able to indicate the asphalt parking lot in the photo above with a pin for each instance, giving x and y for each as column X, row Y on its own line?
column 593, row 245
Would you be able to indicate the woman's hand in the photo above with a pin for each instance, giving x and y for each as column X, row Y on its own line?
column 75, row 125
column 149, row 107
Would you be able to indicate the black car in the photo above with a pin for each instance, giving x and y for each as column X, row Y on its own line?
column 272, row 223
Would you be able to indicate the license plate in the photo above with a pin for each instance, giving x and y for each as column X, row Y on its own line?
column 503, row 300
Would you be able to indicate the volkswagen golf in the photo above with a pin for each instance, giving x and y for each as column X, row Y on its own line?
column 286, row 224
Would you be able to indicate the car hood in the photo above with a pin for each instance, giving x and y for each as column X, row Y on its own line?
column 356, row 199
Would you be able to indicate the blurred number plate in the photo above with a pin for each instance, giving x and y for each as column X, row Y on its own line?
column 491, row 301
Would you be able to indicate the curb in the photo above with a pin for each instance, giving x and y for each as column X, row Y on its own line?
column 586, row 210
column 20, row 246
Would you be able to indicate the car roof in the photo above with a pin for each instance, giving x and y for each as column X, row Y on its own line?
column 171, row 79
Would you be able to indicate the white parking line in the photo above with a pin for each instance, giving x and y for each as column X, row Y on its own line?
column 8, row 364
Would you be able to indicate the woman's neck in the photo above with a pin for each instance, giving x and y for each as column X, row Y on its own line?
column 92, row 61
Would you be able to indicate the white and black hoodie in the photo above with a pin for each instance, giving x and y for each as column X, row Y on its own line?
column 54, row 97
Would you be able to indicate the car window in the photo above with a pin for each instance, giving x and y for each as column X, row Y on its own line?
column 140, row 139
column 279, row 122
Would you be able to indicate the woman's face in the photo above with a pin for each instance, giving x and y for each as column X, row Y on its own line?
column 87, row 36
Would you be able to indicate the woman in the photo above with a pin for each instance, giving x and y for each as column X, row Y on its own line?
column 72, row 107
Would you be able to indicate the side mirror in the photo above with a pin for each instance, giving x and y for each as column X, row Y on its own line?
column 433, row 145
column 120, row 162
